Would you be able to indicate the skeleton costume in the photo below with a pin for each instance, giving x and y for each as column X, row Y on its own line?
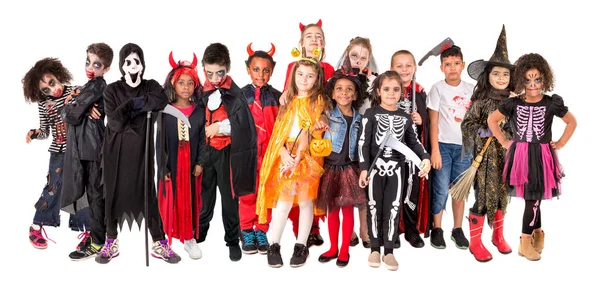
column 414, row 217
column 386, row 179
column 126, row 103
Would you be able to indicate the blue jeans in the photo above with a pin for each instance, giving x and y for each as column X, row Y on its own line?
column 47, row 208
column 453, row 164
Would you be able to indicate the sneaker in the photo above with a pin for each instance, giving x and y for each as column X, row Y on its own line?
column 162, row 250
column 249, row 242
column 459, row 239
column 109, row 251
column 192, row 248
column 85, row 240
column 414, row 239
column 374, row 259
column 235, row 253
column 36, row 239
column 263, row 242
column 87, row 252
column 437, row 238
column 390, row 262
column 299, row 256
column 274, row 256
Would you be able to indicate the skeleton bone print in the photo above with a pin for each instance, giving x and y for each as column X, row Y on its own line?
column 405, row 105
column 530, row 120
column 386, row 122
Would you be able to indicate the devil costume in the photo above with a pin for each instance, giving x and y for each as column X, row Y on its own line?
column 386, row 179
column 414, row 217
column 126, row 103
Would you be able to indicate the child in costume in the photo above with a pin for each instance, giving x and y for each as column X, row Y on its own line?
column 229, row 157
column 359, row 54
column 494, row 83
column 82, row 174
column 532, row 170
column 127, row 102
column 414, row 218
column 312, row 45
column 178, row 148
column 385, row 182
column 447, row 103
column 263, row 101
column 290, row 174
column 339, row 190
column 46, row 83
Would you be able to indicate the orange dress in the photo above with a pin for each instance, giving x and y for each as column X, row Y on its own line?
column 303, row 184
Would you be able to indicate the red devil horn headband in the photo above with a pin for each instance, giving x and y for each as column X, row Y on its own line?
column 175, row 65
column 319, row 23
column 251, row 52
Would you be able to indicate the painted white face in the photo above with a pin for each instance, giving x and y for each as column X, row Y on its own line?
column 132, row 67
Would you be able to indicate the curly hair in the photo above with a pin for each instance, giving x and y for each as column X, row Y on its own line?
column 393, row 75
column 360, row 84
column 217, row 53
column 483, row 86
column 31, row 81
column 529, row 62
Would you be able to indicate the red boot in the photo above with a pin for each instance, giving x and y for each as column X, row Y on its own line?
column 476, row 246
column 497, row 236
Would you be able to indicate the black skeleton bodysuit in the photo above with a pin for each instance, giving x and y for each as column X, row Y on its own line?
column 385, row 183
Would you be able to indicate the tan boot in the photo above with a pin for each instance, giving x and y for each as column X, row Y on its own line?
column 538, row 241
column 526, row 249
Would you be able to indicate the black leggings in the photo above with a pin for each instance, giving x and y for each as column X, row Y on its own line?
column 532, row 216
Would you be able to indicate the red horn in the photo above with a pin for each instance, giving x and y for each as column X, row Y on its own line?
column 172, row 61
column 249, row 49
column 272, row 50
column 319, row 23
column 302, row 27
column 194, row 62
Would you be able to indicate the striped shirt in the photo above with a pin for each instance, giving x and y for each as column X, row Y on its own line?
column 50, row 112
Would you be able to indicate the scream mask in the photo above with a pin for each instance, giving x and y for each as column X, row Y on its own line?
column 131, row 62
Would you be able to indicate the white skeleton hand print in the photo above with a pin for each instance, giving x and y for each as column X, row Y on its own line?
column 530, row 121
column 386, row 123
column 405, row 105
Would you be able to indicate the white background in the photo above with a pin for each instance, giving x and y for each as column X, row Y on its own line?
column 565, row 34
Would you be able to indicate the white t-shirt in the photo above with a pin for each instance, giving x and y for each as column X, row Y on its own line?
column 451, row 103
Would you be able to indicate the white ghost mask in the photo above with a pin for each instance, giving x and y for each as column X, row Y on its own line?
column 132, row 67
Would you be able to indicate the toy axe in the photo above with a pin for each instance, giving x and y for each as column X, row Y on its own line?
column 436, row 51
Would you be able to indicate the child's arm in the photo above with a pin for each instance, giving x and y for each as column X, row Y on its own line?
column 202, row 155
column 571, row 122
column 155, row 99
column 44, row 130
column 80, row 108
column 411, row 138
column 494, row 125
column 364, row 146
column 436, row 158
column 117, row 115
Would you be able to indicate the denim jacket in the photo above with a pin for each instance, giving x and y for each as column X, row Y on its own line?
column 337, row 132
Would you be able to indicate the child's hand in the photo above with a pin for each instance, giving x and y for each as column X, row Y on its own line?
column 556, row 145
column 212, row 130
column 425, row 167
column 75, row 92
column 416, row 118
column 168, row 177
column 363, row 180
column 30, row 133
column 512, row 94
column 282, row 100
column 198, row 170
column 506, row 143
column 287, row 160
column 321, row 125
column 436, row 160
column 94, row 113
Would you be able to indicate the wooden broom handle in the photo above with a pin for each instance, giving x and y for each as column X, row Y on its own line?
column 487, row 143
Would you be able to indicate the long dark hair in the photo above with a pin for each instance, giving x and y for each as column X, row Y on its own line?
column 483, row 86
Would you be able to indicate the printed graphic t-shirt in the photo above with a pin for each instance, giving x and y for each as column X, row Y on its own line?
column 451, row 103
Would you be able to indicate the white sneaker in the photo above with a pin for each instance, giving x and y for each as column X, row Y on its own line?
column 192, row 248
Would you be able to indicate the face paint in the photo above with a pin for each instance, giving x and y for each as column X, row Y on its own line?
column 359, row 56
column 215, row 73
column 312, row 38
column 132, row 67
column 533, row 83
column 260, row 71
column 93, row 66
column 50, row 86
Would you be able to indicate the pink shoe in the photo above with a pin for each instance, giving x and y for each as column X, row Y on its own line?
column 37, row 239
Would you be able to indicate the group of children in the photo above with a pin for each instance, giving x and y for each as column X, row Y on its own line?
column 333, row 140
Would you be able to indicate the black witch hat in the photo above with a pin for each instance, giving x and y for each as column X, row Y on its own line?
column 499, row 58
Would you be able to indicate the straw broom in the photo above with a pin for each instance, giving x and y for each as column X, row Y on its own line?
column 460, row 190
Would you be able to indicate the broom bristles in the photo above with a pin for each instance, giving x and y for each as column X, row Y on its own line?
column 460, row 190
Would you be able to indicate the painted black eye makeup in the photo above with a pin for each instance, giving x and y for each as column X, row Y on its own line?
column 97, row 65
column 45, row 91
column 221, row 73
column 137, row 62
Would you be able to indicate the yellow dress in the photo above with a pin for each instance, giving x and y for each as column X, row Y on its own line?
column 303, row 184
